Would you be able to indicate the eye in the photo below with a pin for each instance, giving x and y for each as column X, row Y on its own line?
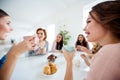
column 8, row 23
column 88, row 21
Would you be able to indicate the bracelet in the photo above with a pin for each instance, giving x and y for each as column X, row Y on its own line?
column 2, row 61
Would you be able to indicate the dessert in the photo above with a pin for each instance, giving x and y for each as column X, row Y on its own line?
column 50, row 69
column 51, row 63
column 51, row 58
column 47, row 70
column 53, row 69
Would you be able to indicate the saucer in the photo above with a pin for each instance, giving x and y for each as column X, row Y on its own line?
column 50, row 75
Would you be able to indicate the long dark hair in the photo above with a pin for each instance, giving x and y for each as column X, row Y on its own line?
column 59, row 45
column 84, row 42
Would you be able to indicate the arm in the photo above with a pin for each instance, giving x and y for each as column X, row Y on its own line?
column 89, row 52
column 85, row 59
column 86, row 50
column 8, row 66
column 69, row 72
column 69, row 57
column 12, row 57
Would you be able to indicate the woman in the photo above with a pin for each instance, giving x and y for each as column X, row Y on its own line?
column 58, row 43
column 81, row 41
column 103, row 26
column 42, row 44
column 8, row 62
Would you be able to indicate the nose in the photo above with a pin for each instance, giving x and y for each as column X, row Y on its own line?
column 11, row 29
column 84, row 28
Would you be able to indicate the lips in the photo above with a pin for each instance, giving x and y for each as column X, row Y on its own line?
column 87, row 34
column 40, row 37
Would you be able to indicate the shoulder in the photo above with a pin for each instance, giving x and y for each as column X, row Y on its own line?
column 111, row 48
column 105, row 61
column 108, row 51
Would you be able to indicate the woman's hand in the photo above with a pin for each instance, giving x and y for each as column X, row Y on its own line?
column 27, row 44
column 68, row 55
column 40, row 51
column 83, row 56
column 78, row 47
column 85, row 59
column 86, row 50
column 83, row 48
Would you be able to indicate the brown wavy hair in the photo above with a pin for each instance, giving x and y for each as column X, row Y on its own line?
column 108, row 15
column 45, row 33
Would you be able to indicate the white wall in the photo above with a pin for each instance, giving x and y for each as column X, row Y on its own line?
column 27, row 16
column 72, row 17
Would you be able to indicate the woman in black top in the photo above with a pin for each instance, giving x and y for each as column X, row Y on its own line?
column 81, row 41
column 58, row 43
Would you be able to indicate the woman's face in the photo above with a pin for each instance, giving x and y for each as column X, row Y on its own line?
column 4, row 27
column 80, row 38
column 41, row 35
column 59, row 38
column 94, row 30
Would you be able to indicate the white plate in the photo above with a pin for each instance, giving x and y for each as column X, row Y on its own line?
column 52, row 75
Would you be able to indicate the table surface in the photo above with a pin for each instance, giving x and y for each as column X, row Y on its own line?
column 31, row 68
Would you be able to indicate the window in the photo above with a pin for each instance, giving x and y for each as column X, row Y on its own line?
column 50, row 34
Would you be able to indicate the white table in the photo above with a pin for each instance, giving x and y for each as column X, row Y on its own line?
column 31, row 68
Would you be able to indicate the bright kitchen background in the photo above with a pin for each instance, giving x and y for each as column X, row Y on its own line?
column 28, row 15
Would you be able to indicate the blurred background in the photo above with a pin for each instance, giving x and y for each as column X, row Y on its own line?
column 52, row 15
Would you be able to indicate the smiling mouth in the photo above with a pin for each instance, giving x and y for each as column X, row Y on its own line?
column 87, row 33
